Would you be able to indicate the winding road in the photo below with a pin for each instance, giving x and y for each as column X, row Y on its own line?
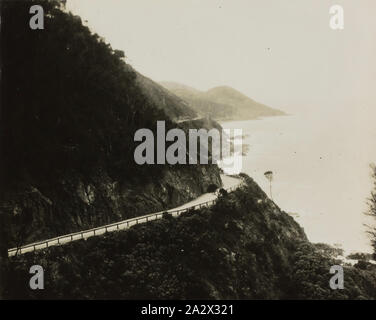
column 205, row 200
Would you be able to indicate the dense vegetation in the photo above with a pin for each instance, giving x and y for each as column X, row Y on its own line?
column 175, row 107
column 70, row 108
column 70, row 102
column 244, row 247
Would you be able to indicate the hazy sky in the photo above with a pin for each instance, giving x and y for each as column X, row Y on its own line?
column 225, row 42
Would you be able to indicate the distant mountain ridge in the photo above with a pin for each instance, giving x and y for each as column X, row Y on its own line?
column 221, row 103
column 175, row 107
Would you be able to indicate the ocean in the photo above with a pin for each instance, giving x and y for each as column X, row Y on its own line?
column 321, row 171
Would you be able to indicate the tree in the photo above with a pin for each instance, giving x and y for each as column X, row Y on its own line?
column 223, row 192
column 269, row 175
column 212, row 188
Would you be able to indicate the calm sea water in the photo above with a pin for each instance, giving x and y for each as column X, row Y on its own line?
column 321, row 166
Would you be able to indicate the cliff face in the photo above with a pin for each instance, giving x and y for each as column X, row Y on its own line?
column 76, row 203
column 243, row 247
column 178, row 185
column 239, row 248
column 67, row 131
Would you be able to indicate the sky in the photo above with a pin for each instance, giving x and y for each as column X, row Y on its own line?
column 281, row 53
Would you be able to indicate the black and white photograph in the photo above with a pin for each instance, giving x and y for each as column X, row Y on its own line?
column 180, row 150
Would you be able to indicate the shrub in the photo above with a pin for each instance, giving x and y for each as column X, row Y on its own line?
column 212, row 188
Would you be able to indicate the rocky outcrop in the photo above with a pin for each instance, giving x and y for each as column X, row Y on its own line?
column 76, row 204
column 243, row 247
column 239, row 248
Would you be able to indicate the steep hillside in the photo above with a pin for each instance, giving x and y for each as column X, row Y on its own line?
column 70, row 108
column 175, row 107
column 244, row 247
column 243, row 106
column 222, row 103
